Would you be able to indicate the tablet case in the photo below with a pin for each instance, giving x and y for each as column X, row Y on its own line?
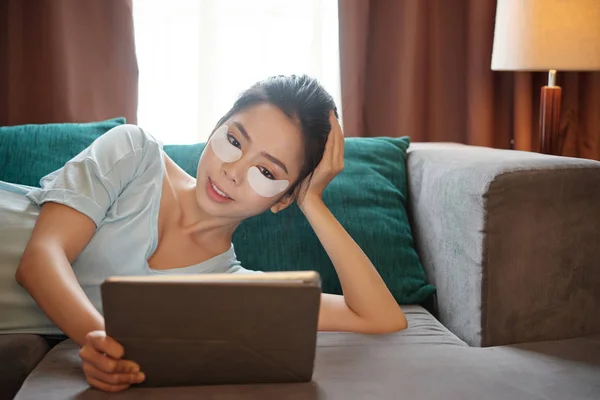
column 217, row 329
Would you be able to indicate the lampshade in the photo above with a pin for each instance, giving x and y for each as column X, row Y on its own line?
column 540, row 35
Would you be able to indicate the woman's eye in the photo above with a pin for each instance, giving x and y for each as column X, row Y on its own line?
column 266, row 173
column 233, row 140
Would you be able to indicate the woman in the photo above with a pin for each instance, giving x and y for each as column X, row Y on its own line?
column 122, row 206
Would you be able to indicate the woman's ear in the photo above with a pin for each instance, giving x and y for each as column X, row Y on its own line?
column 282, row 204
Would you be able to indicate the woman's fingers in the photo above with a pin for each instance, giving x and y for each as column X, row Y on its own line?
column 117, row 379
column 105, row 344
column 105, row 354
column 330, row 146
column 102, row 364
column 95, row 383
column 105, row 363
column 98, row 360
column 127, row 366
column 338, row 148
column 105, row 373
column 332, row 161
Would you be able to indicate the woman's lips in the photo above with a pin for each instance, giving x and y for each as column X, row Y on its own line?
column 216, row 193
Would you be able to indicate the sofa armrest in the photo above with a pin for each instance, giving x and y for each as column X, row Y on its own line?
column 510, row 239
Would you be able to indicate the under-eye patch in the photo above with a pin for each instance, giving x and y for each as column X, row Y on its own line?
column 264, row 186
column 222, row 147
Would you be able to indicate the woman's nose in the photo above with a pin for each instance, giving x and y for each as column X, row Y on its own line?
column 232, row 171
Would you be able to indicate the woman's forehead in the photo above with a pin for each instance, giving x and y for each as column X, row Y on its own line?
column 266, row 120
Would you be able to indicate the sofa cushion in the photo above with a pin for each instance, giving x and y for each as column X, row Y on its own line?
column 28, row 152
column 19, row 354
column 423, row 362
column 369, row 200
column 59, row 375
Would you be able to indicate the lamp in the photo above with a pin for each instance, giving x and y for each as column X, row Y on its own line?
column 547, row 35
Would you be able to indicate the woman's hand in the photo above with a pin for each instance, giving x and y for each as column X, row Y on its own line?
column 103, row 365
column 331, row 164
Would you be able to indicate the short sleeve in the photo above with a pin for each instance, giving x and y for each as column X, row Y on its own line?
column 92, row 180
column 237, row 268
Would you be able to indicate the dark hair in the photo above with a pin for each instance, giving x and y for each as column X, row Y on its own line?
column 306, row 102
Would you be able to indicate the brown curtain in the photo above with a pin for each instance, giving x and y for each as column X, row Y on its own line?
column 423, row 68
column 67, row 61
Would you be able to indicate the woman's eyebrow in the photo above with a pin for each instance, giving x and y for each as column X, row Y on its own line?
column 242, row 129
column 274, row 161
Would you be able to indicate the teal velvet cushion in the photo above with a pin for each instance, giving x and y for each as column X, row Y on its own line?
column 369, row 200
column 28, row 152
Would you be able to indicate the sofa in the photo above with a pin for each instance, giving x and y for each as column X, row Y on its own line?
column 507, row 307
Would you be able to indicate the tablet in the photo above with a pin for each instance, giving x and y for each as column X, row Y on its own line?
column 211, row 329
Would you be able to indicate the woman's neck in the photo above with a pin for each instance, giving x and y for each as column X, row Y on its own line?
column 194, row 221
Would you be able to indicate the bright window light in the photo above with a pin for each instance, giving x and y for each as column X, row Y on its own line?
column 196, row 56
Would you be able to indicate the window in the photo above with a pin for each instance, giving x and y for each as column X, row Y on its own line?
column 196, row 56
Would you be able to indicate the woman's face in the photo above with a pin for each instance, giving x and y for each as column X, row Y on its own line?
column 249, row 163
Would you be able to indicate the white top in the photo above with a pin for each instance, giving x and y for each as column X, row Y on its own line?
column 117, row 182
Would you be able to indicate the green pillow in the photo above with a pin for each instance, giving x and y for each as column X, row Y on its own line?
column 369, row 200
column 29, row 152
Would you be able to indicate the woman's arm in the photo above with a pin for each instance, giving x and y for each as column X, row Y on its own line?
column 74, row 200
column 45, row 271
column 367, row 305
column 59, row 236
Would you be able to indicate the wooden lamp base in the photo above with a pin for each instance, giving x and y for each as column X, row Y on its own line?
column 550, row 138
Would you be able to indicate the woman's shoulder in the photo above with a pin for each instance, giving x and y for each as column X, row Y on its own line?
column 124, row 152
column 125, row 139
column 94, row 179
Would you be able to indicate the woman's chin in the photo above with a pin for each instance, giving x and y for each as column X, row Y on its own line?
column 216, row 209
